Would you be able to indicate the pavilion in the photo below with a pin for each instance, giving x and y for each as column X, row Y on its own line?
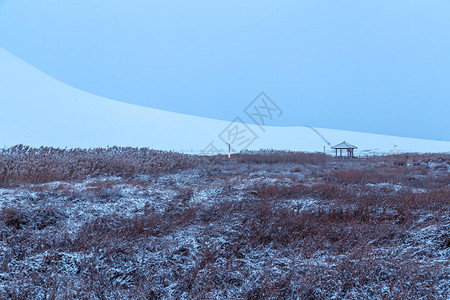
column 344, row 146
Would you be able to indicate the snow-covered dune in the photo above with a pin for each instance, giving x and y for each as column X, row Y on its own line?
column 37, row 110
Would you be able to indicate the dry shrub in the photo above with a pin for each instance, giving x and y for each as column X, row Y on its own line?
column 320, row 189
column 37, row 218
column 100, row 185
column 273, row 157
column 111, row 229
column 435, row 199
column 15, row 217
column 337, row 229
column 22, row 164
column 185, row 194
column 411, row 157
column 357, row 176
column 46, row 216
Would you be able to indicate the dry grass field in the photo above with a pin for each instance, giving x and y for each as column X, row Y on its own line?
column 126, row 223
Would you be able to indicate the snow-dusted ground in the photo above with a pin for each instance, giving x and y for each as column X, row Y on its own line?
column 38, row 110
column 233, row 231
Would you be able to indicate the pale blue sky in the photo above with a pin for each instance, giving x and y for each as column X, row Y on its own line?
column 376, row 66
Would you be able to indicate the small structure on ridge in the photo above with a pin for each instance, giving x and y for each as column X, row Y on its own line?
column 344, row 146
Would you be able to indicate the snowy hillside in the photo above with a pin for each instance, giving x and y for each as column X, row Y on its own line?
column 39, row 110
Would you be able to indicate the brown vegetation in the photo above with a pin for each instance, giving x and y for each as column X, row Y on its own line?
column 22, row 164
column 305, row 227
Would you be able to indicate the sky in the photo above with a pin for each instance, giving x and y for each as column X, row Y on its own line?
column 374, row 66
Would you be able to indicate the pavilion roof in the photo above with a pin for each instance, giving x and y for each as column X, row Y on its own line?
column 344, row 145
